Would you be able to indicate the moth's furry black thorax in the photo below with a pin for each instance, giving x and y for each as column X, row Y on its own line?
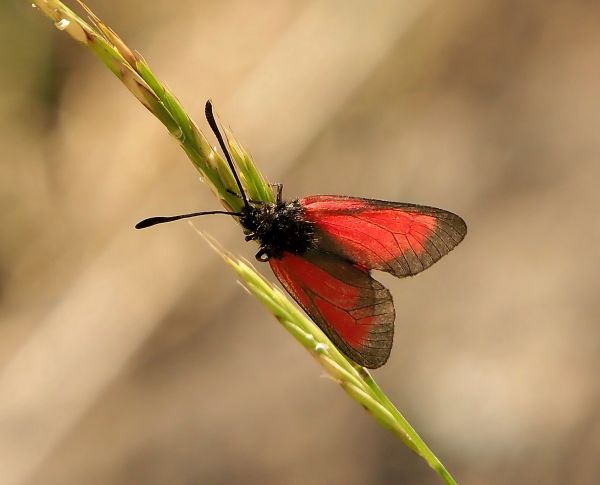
column 280, row 227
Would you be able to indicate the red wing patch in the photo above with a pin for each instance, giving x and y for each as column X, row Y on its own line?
column 401, row 239
column 355, row 311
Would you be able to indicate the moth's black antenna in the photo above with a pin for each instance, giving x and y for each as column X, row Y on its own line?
column 213, row 124
column 152, row 221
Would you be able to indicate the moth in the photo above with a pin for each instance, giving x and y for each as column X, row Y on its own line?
column 322, row 249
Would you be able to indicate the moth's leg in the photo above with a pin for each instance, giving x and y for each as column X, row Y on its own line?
column 279, row 188
column 235, row 194
column 262, row 256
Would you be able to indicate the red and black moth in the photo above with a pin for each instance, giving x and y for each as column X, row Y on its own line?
column 322, row 249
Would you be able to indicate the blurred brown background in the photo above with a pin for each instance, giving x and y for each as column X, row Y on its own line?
column 134, row 357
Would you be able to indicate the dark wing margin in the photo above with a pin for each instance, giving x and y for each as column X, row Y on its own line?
column 355, row 311
column 400, row 239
